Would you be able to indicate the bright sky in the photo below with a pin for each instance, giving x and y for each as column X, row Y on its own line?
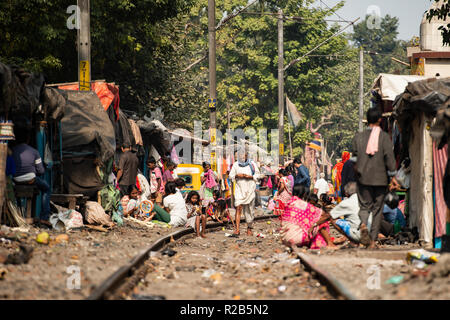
column 409, row 12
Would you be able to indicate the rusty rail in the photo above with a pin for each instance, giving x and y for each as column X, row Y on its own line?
column 113, row 282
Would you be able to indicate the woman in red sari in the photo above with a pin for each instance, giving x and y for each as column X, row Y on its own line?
column 337, row 175
column 301, row 223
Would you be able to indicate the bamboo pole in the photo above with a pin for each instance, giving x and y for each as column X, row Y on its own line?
column 3, row 155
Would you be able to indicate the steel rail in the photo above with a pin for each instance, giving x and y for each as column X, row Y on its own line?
column 331, row 282
column 107, row 287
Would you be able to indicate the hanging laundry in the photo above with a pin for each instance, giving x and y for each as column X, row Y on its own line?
column 136, row 132
column 440, row 158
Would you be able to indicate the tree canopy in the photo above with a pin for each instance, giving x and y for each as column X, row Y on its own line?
column 441, row 13
column 156, row 51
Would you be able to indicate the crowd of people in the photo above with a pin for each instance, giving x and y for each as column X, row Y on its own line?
column 356, row 205
column 360, row 207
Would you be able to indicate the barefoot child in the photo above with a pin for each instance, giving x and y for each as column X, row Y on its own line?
column 194, row 210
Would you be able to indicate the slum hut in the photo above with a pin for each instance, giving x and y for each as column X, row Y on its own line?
column 29, row 109
column 415, row 111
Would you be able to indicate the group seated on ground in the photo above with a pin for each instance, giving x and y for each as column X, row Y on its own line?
column 305, row 221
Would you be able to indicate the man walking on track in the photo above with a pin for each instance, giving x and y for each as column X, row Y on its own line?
column 245, row 173
column 375, row 165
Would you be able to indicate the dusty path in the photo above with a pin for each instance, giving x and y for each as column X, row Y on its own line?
column 97, row 254
column 225, row 268
column 365, row 273
column 219, row 267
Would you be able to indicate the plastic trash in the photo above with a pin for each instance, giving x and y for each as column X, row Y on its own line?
column 260, row 235
column 208, row 273
column 395, row 280
column 419, row 264
column 66, row 219
column 168, row 252
column 117, row 218
column 422, row 255
column 282, row 288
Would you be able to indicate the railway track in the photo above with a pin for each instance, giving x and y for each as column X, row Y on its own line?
column 122, row 282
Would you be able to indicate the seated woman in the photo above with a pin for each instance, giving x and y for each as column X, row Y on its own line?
column 175, row 205
column 302, row 224
column 131, row 207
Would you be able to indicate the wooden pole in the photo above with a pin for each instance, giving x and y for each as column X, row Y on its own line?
column 84, row 46
column 280, row 87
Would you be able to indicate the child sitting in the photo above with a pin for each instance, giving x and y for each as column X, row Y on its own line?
column 194, row 213
column 131, row 204
column 218, row 210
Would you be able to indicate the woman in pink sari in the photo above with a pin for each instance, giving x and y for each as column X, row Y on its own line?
column 284, row 187
column 301, row 223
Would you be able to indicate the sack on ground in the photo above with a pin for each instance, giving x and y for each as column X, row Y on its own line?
column 96, row 215
column 66, row 219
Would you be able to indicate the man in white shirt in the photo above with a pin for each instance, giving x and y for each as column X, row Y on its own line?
column 245, row 173
column 175, row 205
column 321, row 186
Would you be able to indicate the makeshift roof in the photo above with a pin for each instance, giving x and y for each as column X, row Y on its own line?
column 389, row 86
column 430, row 96
column 86, row 126
column 183, row 133
column 21, row 94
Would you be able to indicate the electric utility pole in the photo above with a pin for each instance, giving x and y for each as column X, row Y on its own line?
column 280, row 87
column 361, row 88
column 84, row 46
column 212, row 101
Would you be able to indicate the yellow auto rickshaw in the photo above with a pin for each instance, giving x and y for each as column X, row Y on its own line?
column 191, row 174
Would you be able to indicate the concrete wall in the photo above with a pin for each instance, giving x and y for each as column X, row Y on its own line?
column 441, row 66
column 430, row 36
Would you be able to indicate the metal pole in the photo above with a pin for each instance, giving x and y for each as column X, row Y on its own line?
column 361, row 89
column 84, row 46
column 212, row 79
column 280, row 86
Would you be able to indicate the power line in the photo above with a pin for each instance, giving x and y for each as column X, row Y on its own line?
column 319, row 45
column 332, row 10
column 293, row 17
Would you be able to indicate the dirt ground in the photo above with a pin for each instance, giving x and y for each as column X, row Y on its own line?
column 358, row 271
column 97, row 254
column 225, row 268
column 218, row 268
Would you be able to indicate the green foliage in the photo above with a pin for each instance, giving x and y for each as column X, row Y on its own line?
column 441, row 13
column 150, row 49
column 383, row 41
column 134, row 44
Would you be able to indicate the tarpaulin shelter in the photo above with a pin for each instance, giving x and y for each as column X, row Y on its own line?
column 415, row 111
column 88, row 142
column 108, row 93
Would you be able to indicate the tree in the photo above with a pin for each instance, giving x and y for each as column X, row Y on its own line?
column 247, row 61
column 441, row 13
column 383, row 43
column 134, row 44
column 343, row 111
